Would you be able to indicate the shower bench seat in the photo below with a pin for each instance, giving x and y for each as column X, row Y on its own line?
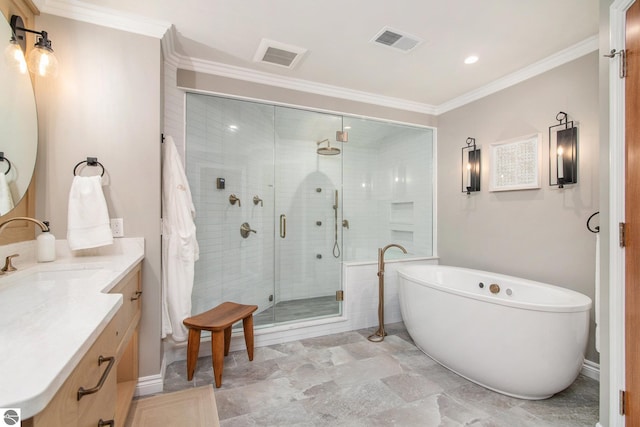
column 219, row 321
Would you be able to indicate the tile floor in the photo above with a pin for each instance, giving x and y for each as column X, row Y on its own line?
column 345, row 380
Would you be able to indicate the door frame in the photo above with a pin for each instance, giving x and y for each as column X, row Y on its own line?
column 617, row 18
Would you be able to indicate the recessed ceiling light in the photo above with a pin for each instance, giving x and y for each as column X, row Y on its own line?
column 471, row 59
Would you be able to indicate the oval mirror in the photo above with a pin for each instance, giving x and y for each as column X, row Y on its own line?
column 18, row 129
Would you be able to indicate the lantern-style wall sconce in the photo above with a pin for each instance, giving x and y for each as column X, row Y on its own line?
column 563, row 152
column 470, row 167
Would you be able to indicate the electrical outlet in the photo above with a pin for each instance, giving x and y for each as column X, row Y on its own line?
column 117, row 227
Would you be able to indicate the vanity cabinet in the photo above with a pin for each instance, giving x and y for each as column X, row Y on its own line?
column 108, row 372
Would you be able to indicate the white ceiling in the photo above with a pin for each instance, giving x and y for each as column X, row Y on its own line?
column 511, row 37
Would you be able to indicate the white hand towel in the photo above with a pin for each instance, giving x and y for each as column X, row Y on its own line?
column 6, row 199
column 88, row 220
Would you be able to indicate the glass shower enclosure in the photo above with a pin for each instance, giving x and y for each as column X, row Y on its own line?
column 267, row 186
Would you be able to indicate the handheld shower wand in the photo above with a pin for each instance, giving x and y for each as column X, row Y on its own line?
column 336, row 247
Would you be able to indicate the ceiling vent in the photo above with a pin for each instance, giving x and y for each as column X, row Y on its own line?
column 280, row 54
column 396, row 39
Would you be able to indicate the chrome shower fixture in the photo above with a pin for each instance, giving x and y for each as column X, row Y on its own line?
column 328, row 150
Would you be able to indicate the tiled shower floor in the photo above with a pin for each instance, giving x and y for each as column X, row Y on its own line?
column 345, row 380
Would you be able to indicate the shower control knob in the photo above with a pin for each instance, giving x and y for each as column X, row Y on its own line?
column 245, row 229
column 233, row 199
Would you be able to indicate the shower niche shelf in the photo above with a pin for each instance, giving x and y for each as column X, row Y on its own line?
column 401, row 212
column 402, row 227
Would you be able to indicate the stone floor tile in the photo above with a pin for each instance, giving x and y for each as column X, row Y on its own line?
column 363, row 371
column 353, row 402
column 331, row 356
column 345, row 380
column 412, row 387
column 424, row 412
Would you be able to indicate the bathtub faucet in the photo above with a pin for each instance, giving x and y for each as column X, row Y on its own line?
column 381, row 253
column 380, row 333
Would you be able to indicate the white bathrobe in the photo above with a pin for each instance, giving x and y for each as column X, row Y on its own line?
column 179, row 244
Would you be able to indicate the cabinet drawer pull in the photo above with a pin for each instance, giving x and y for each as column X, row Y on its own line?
column 137, row 296
column 103, row 423
column 82, row 391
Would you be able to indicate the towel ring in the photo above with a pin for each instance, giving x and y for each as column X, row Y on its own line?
column 91, row 161
column 4, row 159
column 595, row 229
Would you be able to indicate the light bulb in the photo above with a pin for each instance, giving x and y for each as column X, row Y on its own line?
column 42, row 62
column 15, row 57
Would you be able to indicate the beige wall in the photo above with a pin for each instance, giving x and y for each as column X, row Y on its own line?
column 535, row 234
column 106, row 103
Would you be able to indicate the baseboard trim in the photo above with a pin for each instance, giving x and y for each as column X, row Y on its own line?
column 151, row 384
column 591, row 369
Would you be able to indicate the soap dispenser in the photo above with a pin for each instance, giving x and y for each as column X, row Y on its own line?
column 46, row 245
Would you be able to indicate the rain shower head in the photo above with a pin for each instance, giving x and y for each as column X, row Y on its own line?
column 328, row 150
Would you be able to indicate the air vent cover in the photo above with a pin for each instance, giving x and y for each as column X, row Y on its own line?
column 280, row 54
column 396, row 39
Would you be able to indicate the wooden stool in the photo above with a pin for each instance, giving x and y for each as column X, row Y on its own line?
column 218, row 320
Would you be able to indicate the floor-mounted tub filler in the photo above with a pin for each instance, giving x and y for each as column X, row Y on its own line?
column 518, row 337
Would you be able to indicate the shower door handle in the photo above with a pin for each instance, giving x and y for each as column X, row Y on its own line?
column 283, row 226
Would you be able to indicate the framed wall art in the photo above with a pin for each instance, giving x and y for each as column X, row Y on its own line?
column 515, row 163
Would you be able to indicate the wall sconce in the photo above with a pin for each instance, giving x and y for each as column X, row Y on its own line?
column 563, row 152
column 40, row 61
column 470, row 167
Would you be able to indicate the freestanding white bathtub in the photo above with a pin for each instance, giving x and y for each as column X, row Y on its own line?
column 526, row 341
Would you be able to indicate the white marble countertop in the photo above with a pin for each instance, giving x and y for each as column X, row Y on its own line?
column 51, row 313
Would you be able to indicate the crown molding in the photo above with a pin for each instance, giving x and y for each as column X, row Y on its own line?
column 169, row 52
column 254, row 76
column 105, row 17
column 566, row 55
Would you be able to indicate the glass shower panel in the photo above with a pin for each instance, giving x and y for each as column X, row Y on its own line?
column 229, row 151
column 308, row 208
column 388, row 189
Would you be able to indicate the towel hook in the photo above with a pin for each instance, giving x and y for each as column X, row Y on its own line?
column 3, row 159
column 91, row 161
column 595, row 229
